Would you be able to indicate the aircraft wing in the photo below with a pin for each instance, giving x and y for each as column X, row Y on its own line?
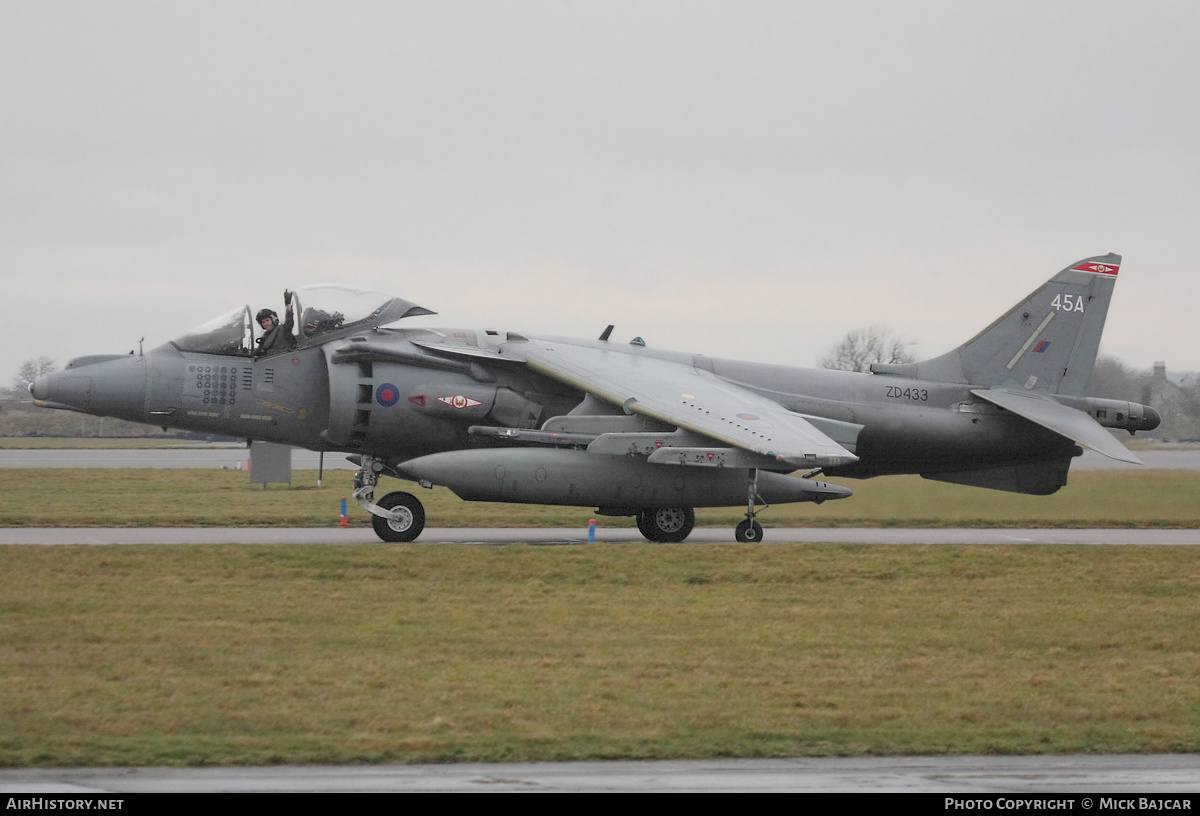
column 1066, row 421
column 696, row 401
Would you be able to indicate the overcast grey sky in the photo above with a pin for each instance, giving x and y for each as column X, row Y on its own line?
column 741, row 179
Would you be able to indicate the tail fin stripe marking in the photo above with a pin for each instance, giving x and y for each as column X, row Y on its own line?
column 1029, row 342
column 1098, row 268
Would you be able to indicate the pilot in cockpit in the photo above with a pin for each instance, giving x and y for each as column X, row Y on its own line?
column 276, row 336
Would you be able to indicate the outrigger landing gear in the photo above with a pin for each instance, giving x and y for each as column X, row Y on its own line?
column 747, row 531
column 750, row 530
column 398, row 516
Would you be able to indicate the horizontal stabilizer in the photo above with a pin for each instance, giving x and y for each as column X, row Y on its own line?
column 1069, row 422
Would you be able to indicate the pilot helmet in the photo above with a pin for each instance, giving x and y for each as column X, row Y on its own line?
column 263, row 314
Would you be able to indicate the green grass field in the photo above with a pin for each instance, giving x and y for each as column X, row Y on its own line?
column 149, row 498
column 153, row 655
column 232, row 654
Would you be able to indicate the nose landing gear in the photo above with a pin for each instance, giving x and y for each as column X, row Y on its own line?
column 406, row 521
column 398, row 516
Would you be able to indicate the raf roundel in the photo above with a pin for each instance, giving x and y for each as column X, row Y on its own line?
column 387, row 395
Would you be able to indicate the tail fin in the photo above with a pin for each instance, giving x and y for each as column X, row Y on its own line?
column 1045, row 343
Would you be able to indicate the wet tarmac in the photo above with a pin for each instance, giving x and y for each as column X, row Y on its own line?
column 1075, row 776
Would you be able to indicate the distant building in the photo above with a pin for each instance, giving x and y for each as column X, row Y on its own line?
column 15, row 407
column 1179, row 406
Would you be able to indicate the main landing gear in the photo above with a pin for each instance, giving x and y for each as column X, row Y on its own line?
column 674, row 524
column 398, row 516
column 666, row 524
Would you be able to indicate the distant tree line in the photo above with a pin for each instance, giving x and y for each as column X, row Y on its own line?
column 862, row 347
column 29, row 371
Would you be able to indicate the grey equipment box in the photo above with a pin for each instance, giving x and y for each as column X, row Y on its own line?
column 270, row 462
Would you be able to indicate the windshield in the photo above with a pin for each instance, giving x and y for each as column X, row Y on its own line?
column 321, row 313
column 328, row 308
column 228, row 334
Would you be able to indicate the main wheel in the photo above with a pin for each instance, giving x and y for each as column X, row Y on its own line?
column 643, row 526
column 748, row 531
column 408, row 521
column 666, row 524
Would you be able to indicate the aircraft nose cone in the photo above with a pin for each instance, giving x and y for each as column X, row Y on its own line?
column 115, row 387
column 63, row 389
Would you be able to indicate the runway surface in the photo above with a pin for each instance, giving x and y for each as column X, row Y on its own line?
column 562, row 536
column 987, row 776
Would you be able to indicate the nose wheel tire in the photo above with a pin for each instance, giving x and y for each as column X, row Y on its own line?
column 666, row 524
column 748, row 531
column 407, row 520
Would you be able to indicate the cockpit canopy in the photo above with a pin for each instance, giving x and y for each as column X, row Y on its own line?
column 323, row 312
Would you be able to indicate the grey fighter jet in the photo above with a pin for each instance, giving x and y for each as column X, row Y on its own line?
column 628, row 429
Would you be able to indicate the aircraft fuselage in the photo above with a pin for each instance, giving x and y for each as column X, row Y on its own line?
column 626, row 428
column 908, row 426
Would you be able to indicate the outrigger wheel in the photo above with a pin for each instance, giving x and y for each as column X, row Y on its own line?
column 749, row 530
column 407, row 519
column 666, row 524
